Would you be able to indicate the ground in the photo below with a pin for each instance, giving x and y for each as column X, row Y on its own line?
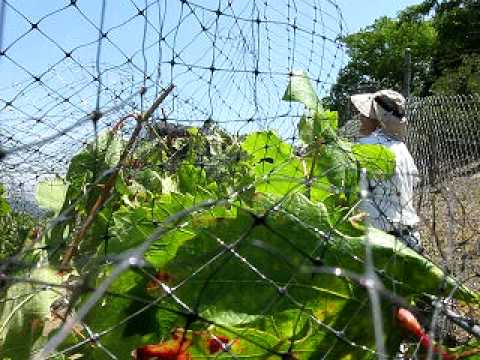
column 450, row 230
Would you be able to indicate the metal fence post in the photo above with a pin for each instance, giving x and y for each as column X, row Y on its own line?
column 407, row 73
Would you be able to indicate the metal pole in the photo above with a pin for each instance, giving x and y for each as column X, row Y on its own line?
column 407, row 73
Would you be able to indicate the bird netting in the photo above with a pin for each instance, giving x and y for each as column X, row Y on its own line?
column 196, row 199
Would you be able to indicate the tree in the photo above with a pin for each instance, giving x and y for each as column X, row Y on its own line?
column 445, row 44
column 456, row 64
column 377, row 58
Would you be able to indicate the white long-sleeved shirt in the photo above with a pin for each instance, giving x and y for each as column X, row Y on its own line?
column 390, row 202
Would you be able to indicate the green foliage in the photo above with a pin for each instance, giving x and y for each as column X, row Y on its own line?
column 14, row 231
column 50, row 194
column 14, row 228
column 454, row 68
column 377, row 52
column 464, row 79
column 377, row 58
column 444, row 41
column 26, row 314
column 273, row 163
column 378, row 160
column 246, row 269
column 456, row 22
column 4, row 206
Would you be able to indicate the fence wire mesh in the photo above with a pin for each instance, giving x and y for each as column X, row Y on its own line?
column 190, row 222
column 443, row 136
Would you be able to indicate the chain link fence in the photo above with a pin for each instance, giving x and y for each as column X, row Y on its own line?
column 443, row 136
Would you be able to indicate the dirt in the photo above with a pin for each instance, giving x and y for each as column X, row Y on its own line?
column 450, row 231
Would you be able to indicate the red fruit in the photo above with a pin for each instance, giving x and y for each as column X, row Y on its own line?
column 215, row 344
column 410, row 323
column 161, row 276
column 163, row 351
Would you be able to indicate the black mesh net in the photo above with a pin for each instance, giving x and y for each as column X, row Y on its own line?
column 172, row 188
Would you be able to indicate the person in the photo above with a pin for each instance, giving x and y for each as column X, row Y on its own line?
column 389, row 204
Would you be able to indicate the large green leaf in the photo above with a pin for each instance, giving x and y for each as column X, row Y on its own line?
column 300, row 89
column 26, row 316
column 133, row 224
column 335, row 161
column 378, row 160
column 277, row 169
column 237, row 261
column 50, row 194
column 316, row 123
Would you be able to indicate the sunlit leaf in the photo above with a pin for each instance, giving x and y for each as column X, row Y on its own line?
column 300, row 89
column 378, row 160
column 50, row 194
column 26, row 318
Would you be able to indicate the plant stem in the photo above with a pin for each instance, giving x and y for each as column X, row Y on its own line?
column 108, row 186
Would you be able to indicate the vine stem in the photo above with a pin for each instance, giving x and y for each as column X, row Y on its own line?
column 14, row 310
column 108, row 186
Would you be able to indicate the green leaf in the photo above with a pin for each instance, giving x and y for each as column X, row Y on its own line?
column 336, row 162
column 300, row 89
column 26, row 315
column 50, row 194
column 109, row 148
column 324, row 121
column 305, row 129
column 90, row 165
column 317, row 123
column 4, row 205
column 120, row 184
column 193, row 180
column 151, row 180
column 377, row 159
column 277, row 169
column 228, row 318
column 133, row 224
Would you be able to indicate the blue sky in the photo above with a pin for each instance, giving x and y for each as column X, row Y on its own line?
column 360, row 13
column 65, row 28
column 290, row 35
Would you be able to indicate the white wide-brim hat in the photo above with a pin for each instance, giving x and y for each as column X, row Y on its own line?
column 363, row 103
column 386, row 106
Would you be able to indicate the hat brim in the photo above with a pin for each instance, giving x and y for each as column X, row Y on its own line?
column 363, row 103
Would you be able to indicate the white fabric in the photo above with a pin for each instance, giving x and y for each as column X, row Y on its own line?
column 390, row 202
column 369, row 107
column 363, row 103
